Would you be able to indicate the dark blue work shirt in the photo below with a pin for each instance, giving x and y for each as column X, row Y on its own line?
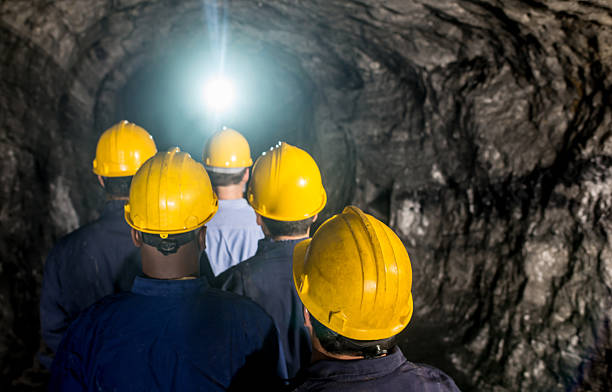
column 389, row 374
column 267, row 279
column 93, row 261
column 169, row 335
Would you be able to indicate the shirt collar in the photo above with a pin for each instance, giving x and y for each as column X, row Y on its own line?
column 114, row 207
column 358, row 369
column 168, row 288
column 234, row 203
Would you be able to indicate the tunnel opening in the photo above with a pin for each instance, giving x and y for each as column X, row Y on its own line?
column 272, row 96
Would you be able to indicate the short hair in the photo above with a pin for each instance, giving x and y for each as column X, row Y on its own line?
column 171, row 243
column 335, row 343
column 117, row 186
column 280, row 228
column 225, row 179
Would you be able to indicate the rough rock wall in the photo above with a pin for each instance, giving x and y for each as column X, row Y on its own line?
column 480, row 130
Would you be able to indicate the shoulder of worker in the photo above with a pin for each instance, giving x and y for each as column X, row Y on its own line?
column 418, row 376
column 90, row 235
column 71, row 244
column 231, row 278
column 428, row 376
column 84, row 327
column 243, row 307
column 392, row 373
column 217, row 296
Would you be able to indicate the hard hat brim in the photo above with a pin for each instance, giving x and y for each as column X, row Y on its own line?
column 285, row 217
column 129, row 221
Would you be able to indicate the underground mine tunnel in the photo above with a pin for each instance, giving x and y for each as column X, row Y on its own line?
column 480, row 131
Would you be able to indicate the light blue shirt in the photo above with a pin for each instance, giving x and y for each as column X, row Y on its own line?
column 231, row 235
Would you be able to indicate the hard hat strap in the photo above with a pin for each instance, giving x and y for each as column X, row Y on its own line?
column 336, row 343
column 168, row 245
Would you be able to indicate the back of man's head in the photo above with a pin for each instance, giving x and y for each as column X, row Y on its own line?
column 278, row 228
column 286, row 190
column 354, row 278
column 120, row 152
column 336, row 344
column 218, row 179
column 117, row 187
column 227, row 156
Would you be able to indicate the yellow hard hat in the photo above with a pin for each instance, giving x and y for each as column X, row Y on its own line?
column 122, row 149
column 227, row 149
column 354, row 277
column 286, row 184
column 170, row 194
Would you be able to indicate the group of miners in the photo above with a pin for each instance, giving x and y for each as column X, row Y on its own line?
column 205, row 277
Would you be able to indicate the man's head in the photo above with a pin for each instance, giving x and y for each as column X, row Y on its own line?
column 354, row 278
column 285, row 229
column 227, row 157
column 120, row 152
column 286, row 191
column 171, row 199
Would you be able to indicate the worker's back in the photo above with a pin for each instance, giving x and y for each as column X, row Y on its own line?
column 90, row 263
column 97, row 259
column 168, row 335
column 266, row 279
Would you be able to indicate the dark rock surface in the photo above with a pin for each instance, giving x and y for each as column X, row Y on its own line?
column 480, row 130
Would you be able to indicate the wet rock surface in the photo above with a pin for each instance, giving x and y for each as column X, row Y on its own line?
column 480, row 132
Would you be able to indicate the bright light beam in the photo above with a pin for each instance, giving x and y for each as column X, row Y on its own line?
column 219, row 94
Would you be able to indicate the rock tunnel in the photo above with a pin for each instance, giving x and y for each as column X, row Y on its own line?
column 480, row 130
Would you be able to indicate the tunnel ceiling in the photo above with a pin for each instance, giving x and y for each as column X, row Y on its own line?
column 480, row 130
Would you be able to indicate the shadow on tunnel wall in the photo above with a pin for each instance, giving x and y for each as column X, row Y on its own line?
column 479, row 132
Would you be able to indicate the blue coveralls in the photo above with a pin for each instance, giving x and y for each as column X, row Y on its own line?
column 231, row 235
column 93, row 261
column 169, row 335
column 389, row 374
column 267, row 279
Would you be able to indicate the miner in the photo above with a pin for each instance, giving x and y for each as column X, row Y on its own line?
column 171, row 331
column 286, row 193
column 354, row 278
column 95, row 260
column 233, row 233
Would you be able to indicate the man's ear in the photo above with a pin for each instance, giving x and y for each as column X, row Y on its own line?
column 307, row 322
column 101, row 181
column 202, row 238
column 314, row 219
column 136, row 238
column 261, row 223
column 245, row 178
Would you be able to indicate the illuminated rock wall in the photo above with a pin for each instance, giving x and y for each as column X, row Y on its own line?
column 481, row 133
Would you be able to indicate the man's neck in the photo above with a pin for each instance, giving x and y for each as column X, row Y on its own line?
column 111, row 198
column 289, row 237
column 319, row 354
column 183, row 263
column 229, row 192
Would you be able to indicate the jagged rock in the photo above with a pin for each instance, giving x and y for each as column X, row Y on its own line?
column 479, row 131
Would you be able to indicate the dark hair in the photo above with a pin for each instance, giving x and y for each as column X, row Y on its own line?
column 117, row 186
column 334, row 343
column 225, row 179
column 170, row 244
column 279, row 228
